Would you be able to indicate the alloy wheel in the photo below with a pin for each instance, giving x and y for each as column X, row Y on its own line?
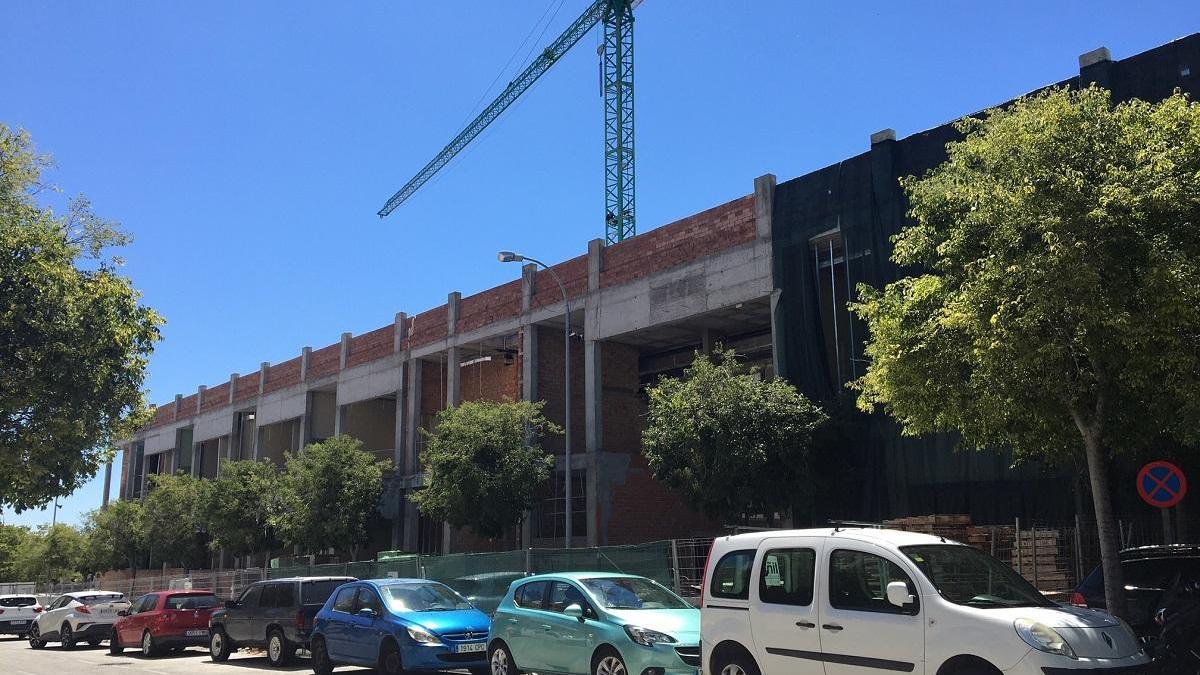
column 147, row 644
column 35, row 637
column 611, row 665
column 499, row 662
column 66, row 637
column 275, row 648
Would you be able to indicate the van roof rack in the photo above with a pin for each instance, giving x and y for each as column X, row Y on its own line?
column 839, row 525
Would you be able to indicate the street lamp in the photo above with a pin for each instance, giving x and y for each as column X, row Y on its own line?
column 509, row 256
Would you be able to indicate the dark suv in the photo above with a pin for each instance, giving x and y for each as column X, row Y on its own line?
column 276, row 614
column 1149, row 571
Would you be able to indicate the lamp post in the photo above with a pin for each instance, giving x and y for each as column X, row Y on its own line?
column 509, row 256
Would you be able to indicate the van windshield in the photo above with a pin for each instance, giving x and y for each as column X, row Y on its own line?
column 968, row 576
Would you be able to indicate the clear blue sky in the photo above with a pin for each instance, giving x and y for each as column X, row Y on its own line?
column 248, row 145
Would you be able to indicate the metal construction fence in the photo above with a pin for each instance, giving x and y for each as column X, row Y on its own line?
column 1055, row 557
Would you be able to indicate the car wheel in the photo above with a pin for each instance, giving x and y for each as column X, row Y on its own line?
column 608, row 662
column 389, row 659
column 114, row 643
column 66, row 636
column 218, row 645
column 279, row 652
column 35, row 638
column 500, row 660
column 149, row 649
column 320, row 658
column 736, row 664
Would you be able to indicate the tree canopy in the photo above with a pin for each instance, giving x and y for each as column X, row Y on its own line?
column 115, row 536
column 76, row 338
column 242, row 504
column 1055, row 304
column 731, row 442
column 485, row 453
column 329, row 493
column 176, row 519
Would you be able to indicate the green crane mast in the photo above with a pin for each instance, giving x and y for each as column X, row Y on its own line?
column 617, row 62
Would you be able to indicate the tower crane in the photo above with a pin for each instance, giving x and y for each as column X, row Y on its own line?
column 617, row 78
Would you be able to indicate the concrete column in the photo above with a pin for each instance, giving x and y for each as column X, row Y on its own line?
column 453, row 357
column 178, row 402
column 411, row 524
column 345, row 352
column 528, row 277
column 107, row 483
column 1096, row 67
column 595, row 258
column 529, row 363
column 413, row 416
column 339, row 415
column 262, row 375
column 398, row 332
column 305, row 355
column 200, row 398
column 593, row 398
column 764, row 204
column 233, row 378
column 197, row 460
column 401, row 427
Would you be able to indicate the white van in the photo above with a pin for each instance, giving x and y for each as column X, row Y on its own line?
column 860, row 601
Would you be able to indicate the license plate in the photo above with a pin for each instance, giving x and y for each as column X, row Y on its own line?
column 19, row 622
column 473, row 647
column 197, row 633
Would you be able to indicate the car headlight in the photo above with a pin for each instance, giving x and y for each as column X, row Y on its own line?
column 1043, row 638
column 647, row 637
column 422, row 636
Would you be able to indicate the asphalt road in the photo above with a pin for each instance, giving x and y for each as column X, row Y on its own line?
column 16, row 658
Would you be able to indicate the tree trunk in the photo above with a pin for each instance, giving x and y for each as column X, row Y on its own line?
column 1106, row 527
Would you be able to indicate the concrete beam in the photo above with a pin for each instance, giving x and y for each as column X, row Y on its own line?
column 764, row 204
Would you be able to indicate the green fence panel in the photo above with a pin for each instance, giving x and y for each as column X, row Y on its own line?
column 482, row 578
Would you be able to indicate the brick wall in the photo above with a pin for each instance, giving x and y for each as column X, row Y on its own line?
column 491, row 381
column 490, row 306
column 624, row 408
column 247, row 387
column 428, row 326
column 216, row 397
column 550, row 387
column 642, row 509
column 572, row 274
column 371, row 346
column 282, row 375
column 187, row 406
column 324, row 361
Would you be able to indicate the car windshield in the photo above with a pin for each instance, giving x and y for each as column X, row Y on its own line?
column 968, row 576
column 422, row 597
column 191, row 602
column 632, row 593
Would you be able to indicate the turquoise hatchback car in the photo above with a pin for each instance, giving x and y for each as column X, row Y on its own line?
column 593, row 623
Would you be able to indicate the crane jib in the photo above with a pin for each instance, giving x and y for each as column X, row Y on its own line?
column 618, row 86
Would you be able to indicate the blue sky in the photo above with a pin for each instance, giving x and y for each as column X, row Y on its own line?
column 248, row 145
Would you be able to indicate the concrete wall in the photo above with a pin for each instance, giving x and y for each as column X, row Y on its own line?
column 374, row 423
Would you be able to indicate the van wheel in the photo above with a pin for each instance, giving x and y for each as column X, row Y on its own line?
column 608, row 662
column 736, row 664
column 320, row 657
column 218, row 645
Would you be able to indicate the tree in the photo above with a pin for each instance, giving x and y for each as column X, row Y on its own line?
column 75, row 341
column 115, row 536
column 483, row 464
column 13, row 540
column 176, row 507
column 241, row 507
column 1056, row 310
column 51, row 553
column 732, row 443
column 328, row 494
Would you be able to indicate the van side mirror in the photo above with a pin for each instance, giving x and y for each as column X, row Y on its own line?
column 574, row 610
column 898, row 595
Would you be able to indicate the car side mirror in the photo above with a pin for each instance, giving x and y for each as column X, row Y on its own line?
column 574, row 610
column 368, row 613
column 898, row 595
column 231, row 604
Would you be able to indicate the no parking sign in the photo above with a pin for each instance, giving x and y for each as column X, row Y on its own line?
column 1161, row 484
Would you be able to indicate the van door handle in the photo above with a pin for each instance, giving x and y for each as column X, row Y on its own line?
column 831, row 626
column 806, row 624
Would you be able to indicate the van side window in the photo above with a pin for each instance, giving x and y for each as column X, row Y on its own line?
column 731, row 576
column 859, row 580
column 786, row 577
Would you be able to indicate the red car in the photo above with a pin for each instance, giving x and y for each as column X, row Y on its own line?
column 164, row 620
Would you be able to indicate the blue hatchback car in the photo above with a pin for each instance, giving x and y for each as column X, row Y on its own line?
column 399, row 624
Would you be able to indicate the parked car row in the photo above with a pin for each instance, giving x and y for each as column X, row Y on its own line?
column 828, row 602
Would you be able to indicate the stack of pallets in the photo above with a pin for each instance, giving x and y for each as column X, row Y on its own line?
column 1035, row 554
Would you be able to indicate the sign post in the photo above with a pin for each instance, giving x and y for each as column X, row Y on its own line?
column 1162, row 485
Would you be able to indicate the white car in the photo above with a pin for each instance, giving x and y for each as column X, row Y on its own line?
column 857, row 601
column 81, row 616
column 17, row 613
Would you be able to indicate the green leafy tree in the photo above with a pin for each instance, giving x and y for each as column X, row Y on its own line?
column 76, row 340
column 483, row 464
column 115, row 537
column 241, row 506
column 732, row 443
column 50, row 553
column 1057, row 307
column 13, row 540
column 176, row 508
column 328, row 494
